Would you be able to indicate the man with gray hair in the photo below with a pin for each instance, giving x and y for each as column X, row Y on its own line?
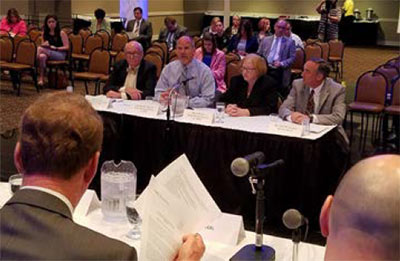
column 362, row 220
column 316, row 97
column 133, row 78
column 190, row 77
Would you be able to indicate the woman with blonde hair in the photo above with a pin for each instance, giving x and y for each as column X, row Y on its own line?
column 253, row 92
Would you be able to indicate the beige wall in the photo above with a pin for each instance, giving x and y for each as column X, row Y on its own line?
column 87, row 7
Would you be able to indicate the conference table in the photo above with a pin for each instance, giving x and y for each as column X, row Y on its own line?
column 215, row 251
column 312, row 169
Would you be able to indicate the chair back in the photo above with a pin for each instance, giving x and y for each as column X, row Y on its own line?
column 164, row 47
column 26, row 52
column 371, row 87
column 119, row 41
column 336, row 49
column 394, row 62
column 106, row 38
column 120, row 56
column 396, row 92
column 198, row 43
column 299, row 60
column 313, row 51
column 325, row 50
column 311, row 41
column 233, row 68
column 34, row 33
column 4, row 33
column 67, row 29
column 156, row 60
column 390, row 72
column 85, row 33
column 230, row 57
column 99, row 61
column 6, row 49
column 94, row 41
column 76, row 43
column 18, row 38
column 172, row 56
column 158, row 50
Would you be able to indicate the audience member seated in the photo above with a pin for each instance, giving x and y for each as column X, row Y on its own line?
column 133, row 78
column 280, row 52
column 253, row 92
column 316, row 97
column 213, row 58
column 234, row 28
column 244, row 42
column 264, row 29
column 13, row 23
column 361, row 221
column 328, row 28
column 288, row 33
column 141, row 29
column 200, row 83
column 221, row 38
column 58, row 152
column 55, row 45
column 100, row 22
column 212, row 28
column 171, row 32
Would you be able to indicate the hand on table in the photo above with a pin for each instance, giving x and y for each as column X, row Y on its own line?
column 192, row 248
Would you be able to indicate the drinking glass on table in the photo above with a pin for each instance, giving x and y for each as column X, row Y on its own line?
column 15, row 182
column 220, row 106
column 133, row 217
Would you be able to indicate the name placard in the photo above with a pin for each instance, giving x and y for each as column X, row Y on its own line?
column 198, row 116
column 285, row 128
column 145, row 108
column 227, row 229
column 87, row 204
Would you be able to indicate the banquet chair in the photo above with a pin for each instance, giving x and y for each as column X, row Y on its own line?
column 298, row 64
column 164, row 47
column 233, row 68
column 6, row 49
column 336, row 52
column 156, row 59
column 229, row 57
column 393, row 109
column 118, row 43
column 313, row 51
column 105, row 37
column 370, row 96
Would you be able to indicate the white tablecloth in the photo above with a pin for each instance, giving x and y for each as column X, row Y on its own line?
column 214, row 251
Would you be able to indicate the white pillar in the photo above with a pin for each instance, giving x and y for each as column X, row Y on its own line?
column 227, row 12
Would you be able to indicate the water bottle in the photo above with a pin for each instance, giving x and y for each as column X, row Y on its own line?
column 118, row 182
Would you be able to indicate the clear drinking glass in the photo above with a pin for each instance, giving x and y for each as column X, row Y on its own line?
column 15, row 182
column 306, row 126
column 149, row 98
column 133, row 217
column 220, row 106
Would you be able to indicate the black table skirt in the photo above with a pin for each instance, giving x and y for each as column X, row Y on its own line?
column 311, row 172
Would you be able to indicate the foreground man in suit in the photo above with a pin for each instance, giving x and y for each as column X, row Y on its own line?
column 58, row 152
column 362, row 220
column 316, row 97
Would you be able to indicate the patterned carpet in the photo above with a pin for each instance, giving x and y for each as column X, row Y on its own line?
column 357, row 61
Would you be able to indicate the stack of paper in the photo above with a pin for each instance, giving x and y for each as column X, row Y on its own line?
column 174, row 203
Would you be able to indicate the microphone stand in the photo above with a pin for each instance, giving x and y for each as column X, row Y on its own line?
column 296, row 234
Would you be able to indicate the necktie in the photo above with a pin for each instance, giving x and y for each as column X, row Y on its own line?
column 310, row 103
column 185, row 77
column 273, row 51
column 136, row 32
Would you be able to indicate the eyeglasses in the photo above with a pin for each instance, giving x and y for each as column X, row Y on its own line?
column 134, row 55
column 248, row 69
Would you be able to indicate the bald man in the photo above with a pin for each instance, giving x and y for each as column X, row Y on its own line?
column 190, row 76
column 133, row 78
column 362, row 220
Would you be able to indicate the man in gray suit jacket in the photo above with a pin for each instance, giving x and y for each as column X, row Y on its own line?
column 317, row 97
column 57, row 153
column 171, row 32
column 142, row 30
column 280, row 52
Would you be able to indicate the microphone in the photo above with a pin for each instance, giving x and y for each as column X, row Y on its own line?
column 293, row 219
column 241, row 166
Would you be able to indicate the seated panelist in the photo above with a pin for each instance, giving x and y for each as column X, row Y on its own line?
column 253, row 92
column 133, row 78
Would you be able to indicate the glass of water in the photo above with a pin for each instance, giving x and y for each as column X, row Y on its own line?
column 133, row 217
column 220, row 106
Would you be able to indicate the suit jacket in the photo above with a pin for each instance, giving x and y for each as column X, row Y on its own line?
column 217, row 67
column 331, row 107
column 37, row 225
column 145, row 32
column 180, row 31
column 262, row 100
column 287, row 54
column 146, row 78
column 251, row 44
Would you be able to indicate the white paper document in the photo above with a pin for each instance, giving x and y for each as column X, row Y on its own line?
column 174, row 204
column 99, row 102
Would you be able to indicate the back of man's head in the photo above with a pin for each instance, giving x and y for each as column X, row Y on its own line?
column 364, row 219
column 60, row 133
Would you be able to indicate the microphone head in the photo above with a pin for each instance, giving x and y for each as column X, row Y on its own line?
column 292, row 218
column 240, row 167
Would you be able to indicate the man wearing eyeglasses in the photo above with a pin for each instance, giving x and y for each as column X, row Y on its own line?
column 280, row 52
column 133, row 78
